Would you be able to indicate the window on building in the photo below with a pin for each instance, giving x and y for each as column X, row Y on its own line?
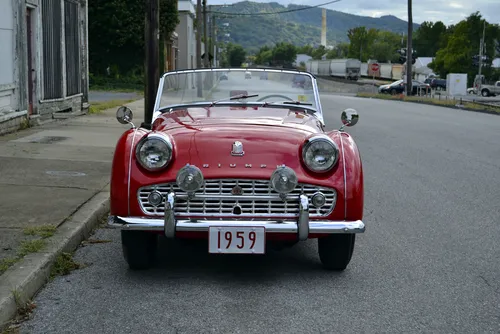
column 72, row 42
column 52, row 57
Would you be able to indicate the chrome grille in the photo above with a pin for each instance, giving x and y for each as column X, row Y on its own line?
column 257, row 200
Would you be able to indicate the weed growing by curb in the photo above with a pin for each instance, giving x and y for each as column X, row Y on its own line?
column 29, row 246
column 97, row 107
column 64, row 265
column 43, row 231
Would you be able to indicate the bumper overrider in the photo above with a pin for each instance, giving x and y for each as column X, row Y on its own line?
column 302, row 225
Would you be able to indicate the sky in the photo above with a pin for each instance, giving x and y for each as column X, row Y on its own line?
column 447, row 11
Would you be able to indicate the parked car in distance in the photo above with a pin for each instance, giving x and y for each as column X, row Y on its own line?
column 490, row 90
column 248, row 75
column 246, row 170
column 399, row 87
column 471, row 90
column 223, row 76
column 436, row 83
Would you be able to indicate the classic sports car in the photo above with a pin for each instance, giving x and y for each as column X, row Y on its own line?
column 245, row 166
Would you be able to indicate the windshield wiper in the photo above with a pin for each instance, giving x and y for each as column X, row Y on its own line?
column 235, row 97
column 297, row 103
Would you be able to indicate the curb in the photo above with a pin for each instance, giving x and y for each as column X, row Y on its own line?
column 437, row 105
column 30, row 274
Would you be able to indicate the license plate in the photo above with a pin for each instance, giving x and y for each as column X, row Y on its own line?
column 236, row 240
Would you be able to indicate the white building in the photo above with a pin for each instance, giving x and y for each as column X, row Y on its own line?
column 43, row 57
column 420, row 69
column 186, row 57
column 301, row 58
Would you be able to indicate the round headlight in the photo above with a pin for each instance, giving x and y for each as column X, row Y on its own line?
column 284, row 180
column 154, row 152
column 190, row 178
column 320, row 154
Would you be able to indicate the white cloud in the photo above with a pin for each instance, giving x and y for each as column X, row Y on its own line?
column 423, row 10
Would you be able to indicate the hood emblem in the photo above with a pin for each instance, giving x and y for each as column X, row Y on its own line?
column 237, row 149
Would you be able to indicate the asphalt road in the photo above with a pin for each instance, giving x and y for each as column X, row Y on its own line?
column 428, row 261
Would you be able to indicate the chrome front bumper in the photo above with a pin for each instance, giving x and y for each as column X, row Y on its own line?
column 302, row 227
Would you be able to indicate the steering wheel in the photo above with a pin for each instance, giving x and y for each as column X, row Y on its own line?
column 275, row 95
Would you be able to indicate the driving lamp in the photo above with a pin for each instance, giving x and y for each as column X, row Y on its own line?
column 284, row 180
column 318, row 199
column 190, row 178
column 320, row 154
column 155, row 198
column 154, row 152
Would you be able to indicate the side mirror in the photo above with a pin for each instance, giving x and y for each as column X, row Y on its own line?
column 124, row 115
column 349, row 117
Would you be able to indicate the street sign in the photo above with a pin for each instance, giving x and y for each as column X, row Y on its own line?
column 375, row 67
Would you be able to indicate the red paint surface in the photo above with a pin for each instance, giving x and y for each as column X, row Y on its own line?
column 270, row 137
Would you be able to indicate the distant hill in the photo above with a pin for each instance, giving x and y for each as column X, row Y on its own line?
column 300, row 28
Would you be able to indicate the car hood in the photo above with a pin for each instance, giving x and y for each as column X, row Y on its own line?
column 270, row 136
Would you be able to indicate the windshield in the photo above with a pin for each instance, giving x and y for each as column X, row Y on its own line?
column 221, row 84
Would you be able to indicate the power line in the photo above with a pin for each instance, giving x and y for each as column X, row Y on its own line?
column 275, row 13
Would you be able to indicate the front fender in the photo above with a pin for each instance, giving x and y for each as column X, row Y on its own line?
column 120, row 171
column 354, row 183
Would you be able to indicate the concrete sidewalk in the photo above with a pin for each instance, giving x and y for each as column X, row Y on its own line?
column 47, row 174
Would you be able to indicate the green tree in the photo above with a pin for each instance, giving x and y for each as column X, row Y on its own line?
column 116, row 33
column 318, row 52
column 462, row 43
column 361, row 42
column 236, row 55
column 340, row 51
column 384, row 47
column 284, row 53
column 429, row 38
column 305, row 49
column 264, row 55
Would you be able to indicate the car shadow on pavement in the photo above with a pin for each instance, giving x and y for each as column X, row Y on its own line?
column 178, row 257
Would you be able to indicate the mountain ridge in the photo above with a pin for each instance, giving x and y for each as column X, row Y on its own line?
column 299, row 27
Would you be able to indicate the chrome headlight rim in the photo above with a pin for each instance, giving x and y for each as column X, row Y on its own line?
column 311, row 141
column 154, row 136
column 284, row 169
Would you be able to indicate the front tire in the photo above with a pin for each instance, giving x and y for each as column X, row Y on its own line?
column 139, row 248
column 335, row 251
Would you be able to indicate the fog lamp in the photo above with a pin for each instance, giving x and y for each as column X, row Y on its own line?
column 318, row 199
column 190, row 178
column 284, row 180
column 155, row 198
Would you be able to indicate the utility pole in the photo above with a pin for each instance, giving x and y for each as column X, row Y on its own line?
column 409, row 50
column 213, row 44
column 205, row 17
column 151, row 34
column 481, row 50
column 198, row 47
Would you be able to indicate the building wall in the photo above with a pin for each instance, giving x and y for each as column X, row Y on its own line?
column 44, row 70
column 186, row 35
column 184, row 43
column 8, row 101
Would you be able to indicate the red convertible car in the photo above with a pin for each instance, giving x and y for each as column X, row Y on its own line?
column 245, row 164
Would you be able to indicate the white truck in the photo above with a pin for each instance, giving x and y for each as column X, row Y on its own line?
column 490, row 90
column 345, row 68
